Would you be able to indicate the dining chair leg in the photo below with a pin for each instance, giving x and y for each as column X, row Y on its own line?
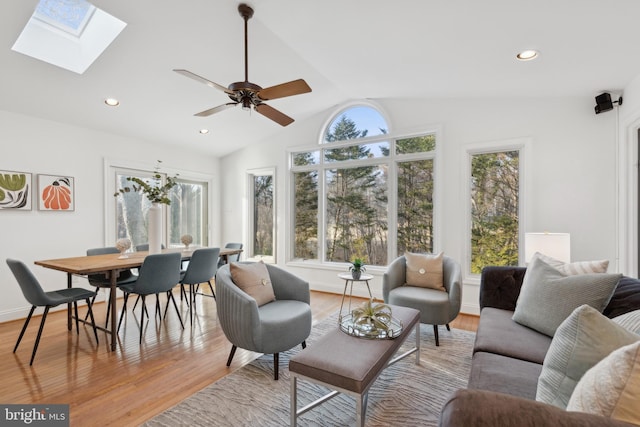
column 86, row 316
column 75, row 309
column 170, row 296
column 135, row 303
column 183, row 293
column 211, row 287
column 158, row 309
column 304, row 344
column 93, row 321
column 142, row 310
column 448, row 327
column 124, row 309
column 435, row 332
column 192, row 308
column 24, row 328
column 35, row 346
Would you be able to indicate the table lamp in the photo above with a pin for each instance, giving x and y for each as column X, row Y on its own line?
column 555, row 245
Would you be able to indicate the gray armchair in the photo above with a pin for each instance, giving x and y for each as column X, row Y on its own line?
column 436, row 307
column 271, row 328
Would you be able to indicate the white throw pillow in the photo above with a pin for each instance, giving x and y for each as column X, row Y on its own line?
column 582, row 340
column 425, row 270
column 573, row 268
column 612, row 387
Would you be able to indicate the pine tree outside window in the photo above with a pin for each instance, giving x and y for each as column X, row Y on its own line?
column 361, row 192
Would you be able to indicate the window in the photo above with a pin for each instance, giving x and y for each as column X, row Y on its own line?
column 361, row 187
column 262, row 214
column 187, row 213
column 494, row 207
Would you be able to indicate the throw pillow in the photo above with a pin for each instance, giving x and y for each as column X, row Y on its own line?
column 573, row 268
column 254, row 280
column 548, row 297
column 611, row 388
column 425, row 270
column 582, row 340
column 630, row 321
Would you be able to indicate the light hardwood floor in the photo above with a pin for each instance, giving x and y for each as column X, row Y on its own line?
column 136, row 382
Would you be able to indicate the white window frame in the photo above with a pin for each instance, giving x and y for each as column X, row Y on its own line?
column 392, row 194
column 251, row 174
column 523, row 146
column 110, row 167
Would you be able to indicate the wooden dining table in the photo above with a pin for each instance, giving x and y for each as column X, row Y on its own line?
column 111, row 265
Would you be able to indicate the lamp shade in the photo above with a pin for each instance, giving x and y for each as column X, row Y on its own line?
column 555, row 245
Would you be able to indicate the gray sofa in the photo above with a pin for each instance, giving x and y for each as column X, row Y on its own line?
column 507, row 361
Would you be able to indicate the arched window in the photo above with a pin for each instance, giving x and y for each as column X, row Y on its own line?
column 355, row 122
column 363, row 192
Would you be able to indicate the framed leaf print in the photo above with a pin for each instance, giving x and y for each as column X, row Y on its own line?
column 15, row 190
column 56, row 193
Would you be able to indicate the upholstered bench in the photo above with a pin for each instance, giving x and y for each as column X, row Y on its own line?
column 348, row 364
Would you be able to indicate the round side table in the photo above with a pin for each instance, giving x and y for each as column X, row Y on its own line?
column 347, row 277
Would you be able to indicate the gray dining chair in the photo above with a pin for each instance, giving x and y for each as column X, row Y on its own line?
column 145, row 247
column 230, row 258
column 270, row 328
column 103, row 281
column 201, row 269
column 159, row 273
column 37, row 297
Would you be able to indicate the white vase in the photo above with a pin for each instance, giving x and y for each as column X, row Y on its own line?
column 154, row 231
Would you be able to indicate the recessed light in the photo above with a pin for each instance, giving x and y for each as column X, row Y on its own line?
column 527, row 55
column 112, row 102
column 204, row 131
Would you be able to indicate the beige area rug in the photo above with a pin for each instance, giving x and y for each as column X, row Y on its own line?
column 405, row 394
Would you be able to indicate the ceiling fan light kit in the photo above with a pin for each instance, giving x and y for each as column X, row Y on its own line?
column 249, row 94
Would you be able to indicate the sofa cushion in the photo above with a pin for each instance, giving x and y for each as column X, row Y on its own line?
column 612, row 387
column 581, row 341
column 499, row 334
column 625, row 298
column 503, row 374
column 425, row 270
column 548, row 297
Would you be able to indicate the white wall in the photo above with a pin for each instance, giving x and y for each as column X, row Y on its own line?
column 37, row 146
column 572, row 170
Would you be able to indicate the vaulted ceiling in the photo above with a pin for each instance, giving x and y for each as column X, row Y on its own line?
column 345, row 50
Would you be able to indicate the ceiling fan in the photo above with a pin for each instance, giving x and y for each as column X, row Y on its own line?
column 249, row 94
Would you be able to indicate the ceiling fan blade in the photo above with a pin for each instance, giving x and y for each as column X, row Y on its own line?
column 273, row 114
column 295, row 87
column 203, row 80
column 210, row 111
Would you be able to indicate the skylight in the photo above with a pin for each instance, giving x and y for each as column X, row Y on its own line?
column 67, row 15
column 70, row 34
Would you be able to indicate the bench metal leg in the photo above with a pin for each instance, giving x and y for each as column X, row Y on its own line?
column 361, row 409
column 294, row 401
column 418, row 343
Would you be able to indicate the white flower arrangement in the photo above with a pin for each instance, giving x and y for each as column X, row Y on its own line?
column 123, row 245
column 186, row 240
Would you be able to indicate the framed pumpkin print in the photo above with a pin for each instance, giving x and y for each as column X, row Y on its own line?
column 56, row 193
column 15, row 190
